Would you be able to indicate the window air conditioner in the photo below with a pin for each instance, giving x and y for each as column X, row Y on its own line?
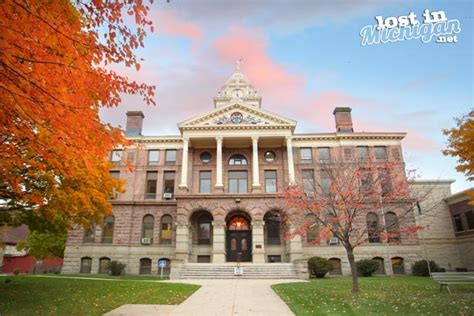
column 333, row 241
column 167, row 196
column 146, row 241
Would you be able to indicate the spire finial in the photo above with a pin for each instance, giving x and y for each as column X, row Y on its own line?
column 237, row 64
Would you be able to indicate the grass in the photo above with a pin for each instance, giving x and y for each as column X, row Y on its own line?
column 151, row 277
column 378, row 296
column 29, row 295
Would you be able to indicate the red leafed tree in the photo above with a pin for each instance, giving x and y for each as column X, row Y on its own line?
column 54, row 79
column 355, row 203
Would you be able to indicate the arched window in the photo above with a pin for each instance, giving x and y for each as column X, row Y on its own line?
column 148, row 225
column 89, row 234
column 204, row 229
column 373, row 227
column 272, row 227
column 237, row 159
column 312, row 229
column 381, row 269
column 393, row 228
column 86, row 265
column 145, row 266
column 166, row 232
column 398, row 266
column 336, row 266
column 238, row 223
column 104, row 265
column 108, row 230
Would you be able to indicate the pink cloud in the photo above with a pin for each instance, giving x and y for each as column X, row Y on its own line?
column 267, row 75
column 166, row 22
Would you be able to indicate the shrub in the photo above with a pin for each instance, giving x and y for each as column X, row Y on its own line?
column 319, row 266
column 420, row 268
column 16, row 271
column 116, row 267
column 366, row 267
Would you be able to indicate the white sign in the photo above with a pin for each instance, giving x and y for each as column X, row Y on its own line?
column 407, row 27
column 238, row 270
column 162, row 263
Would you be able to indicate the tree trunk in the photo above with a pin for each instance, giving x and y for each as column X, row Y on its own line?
column 355, row 280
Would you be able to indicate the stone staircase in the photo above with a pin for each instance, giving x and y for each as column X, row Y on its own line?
column 250, row 271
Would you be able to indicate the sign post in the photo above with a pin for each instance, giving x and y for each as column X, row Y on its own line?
column 162, row 265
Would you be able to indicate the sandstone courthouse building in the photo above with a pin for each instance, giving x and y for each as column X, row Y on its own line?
column 208, row 197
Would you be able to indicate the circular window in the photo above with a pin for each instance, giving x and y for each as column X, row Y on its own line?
column 206, row 157
column 270, row 156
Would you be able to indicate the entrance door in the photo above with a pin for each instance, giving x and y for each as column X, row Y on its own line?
column 239, row 243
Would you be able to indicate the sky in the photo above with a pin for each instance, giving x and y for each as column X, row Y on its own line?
column 305, row 58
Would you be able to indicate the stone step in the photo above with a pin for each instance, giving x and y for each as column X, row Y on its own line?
column 251, row 271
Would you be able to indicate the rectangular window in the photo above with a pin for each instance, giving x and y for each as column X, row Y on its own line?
column 130, row 157
column 365, row 179
column 380, row 152
column 153, row 156
column 325, row 182
column 204, row 182
column 470, row 219
column 324, row 155
column 168, row 185
column 238, row 181
column 204, row 233
column 170, row 157
column 363, row 153
column 385, row 181
column 308, row 181
column 115, row 174
column 458, row 222
column 116, row 156
column 306, row 155
column 151, row 178
column 270, row 181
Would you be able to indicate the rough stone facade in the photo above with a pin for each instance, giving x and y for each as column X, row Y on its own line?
column 266, row 146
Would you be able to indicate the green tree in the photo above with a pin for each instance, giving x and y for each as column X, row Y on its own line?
column 44, row 245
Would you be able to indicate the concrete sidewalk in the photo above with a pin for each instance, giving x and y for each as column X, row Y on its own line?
column 219, row 297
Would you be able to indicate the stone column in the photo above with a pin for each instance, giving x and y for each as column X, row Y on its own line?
column 184, row 165
column 255, row 168
column 218, row 242
column 258, row 242
column 294, row 246
column 219, row 183
column 291, row 165
column 182, row 241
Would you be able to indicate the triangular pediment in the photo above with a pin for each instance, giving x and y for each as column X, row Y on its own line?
column 237, row 114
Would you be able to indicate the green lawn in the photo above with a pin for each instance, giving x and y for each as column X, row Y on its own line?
column 29, row 295
column 378, row 296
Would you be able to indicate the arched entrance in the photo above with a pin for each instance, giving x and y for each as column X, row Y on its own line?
column 239, row 238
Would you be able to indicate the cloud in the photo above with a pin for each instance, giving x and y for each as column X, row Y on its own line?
column 167, row 22
column 424, row 81
column 284, row 16
column 267, row 75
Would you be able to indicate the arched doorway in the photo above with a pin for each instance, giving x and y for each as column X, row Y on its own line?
column 239, row 238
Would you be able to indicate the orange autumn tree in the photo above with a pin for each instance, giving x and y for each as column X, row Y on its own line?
column 461, row 145
column 353, row 202
column 54, row 79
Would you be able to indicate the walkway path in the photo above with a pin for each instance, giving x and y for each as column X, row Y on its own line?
column 219, row 297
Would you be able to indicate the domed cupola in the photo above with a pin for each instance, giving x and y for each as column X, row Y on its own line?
column 237, row 89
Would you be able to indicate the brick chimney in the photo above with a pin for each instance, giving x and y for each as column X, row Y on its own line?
column 134, row 123
column 343, row 119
